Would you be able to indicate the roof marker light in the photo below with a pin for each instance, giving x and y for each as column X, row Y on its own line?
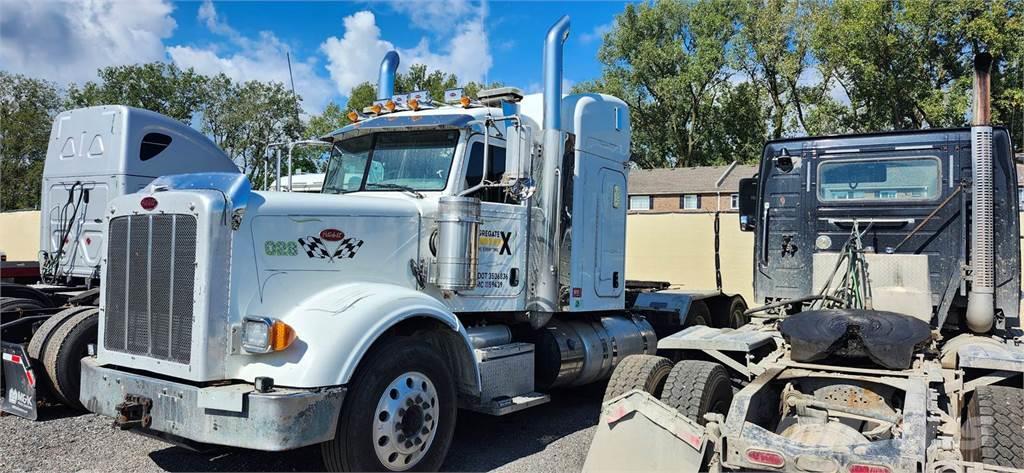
column 453, row 96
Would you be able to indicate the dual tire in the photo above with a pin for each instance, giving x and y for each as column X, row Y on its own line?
column 692, row 387
column 57, row 348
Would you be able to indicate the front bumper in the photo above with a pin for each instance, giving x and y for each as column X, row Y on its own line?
column 232, row 415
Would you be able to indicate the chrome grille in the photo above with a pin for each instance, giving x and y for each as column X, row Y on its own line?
column 149, row 285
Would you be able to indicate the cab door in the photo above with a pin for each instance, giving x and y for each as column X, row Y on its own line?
column 611, row 220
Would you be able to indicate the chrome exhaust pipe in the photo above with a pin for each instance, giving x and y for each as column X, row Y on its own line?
column 386, row 77
column 981, row 300
column 544, row 212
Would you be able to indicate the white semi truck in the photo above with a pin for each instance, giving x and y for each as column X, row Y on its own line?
column 48, row 310
column 468, row 255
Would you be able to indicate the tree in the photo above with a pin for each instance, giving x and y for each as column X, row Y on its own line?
column 160, row 87
column 245, row 119
column 908, row 64
column 27, row 109
column 772, row 50
column 667, row 62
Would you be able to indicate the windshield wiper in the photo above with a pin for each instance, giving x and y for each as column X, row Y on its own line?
column 388, row 185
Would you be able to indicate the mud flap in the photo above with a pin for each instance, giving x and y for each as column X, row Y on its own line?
column 19, row 382
column 637, row 432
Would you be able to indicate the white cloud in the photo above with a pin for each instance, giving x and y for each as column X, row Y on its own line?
column 262, row 58
column 597, row 34
column 355, row 56
column 69, row 41
column 427, row 15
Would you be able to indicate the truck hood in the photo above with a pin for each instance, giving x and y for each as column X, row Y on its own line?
column 302, row 244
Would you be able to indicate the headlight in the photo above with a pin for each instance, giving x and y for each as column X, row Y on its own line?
column 264, row 335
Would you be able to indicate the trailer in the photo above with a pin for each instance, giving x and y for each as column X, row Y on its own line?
column 464, row 253
column 49, row 308
column 889, row 340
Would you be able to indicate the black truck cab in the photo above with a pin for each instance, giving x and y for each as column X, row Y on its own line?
column 909, row 193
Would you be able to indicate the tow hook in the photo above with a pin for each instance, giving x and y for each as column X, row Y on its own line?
column 133, row 412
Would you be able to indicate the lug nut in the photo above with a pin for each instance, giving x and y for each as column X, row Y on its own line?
column 408, row 402
column 401, row 412
column 419, row 399
column 425, row 431
column 409, row 444
column 428, row 418
column 417, row 440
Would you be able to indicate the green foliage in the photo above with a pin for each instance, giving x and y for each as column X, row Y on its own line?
column 27, row 108
column 157, row 86
column 709, row 81
column 244, row 119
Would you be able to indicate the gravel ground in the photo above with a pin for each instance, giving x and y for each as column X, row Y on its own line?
column 552, row 437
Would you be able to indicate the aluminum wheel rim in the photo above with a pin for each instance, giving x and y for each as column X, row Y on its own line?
column 405, row 422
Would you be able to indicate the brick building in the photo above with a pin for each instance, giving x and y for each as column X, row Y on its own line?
column 696, row 189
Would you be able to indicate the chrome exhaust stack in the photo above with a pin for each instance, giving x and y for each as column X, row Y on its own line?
column 981, row 300
column 544, row 218
column 386, row 77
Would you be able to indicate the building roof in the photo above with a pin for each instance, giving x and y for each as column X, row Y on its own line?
column 693, row 180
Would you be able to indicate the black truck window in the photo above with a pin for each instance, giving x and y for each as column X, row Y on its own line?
column 883, row 179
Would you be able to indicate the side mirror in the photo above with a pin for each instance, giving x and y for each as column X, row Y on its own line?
column 748, row 204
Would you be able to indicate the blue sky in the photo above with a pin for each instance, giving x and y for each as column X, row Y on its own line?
column 333, row 45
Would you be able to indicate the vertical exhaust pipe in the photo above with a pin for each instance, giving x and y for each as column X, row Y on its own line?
column 981, row 300
column 553, row 43
column 386, row 77
column 544, row 216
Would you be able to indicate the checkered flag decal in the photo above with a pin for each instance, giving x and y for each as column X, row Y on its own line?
column 314, row 247
column 348, row 248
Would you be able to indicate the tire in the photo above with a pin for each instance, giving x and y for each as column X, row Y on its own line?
column 734, row 314
column 14, row 303
column 993, row 430
column 63, row 353
column 10, row 307
column 367, row 412
column 643, row 372
column 38, row 343
column 698, row 314
column 696, row 388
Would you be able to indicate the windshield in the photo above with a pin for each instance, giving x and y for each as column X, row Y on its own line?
column 418, row 161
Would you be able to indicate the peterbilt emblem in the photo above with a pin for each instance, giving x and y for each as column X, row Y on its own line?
column 332, row 234
column 316, row 247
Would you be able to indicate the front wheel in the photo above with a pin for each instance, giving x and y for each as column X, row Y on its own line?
column 399, row 414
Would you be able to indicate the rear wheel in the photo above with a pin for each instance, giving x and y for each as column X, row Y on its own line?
column 643, row 372
column 63, row 353
column 42, row 336
column 698, row 314
column 993, row 430
column 399, row 414
column 696, row 388
column 14, row 308
column 737, row 318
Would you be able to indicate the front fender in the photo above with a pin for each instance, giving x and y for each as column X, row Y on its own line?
column 336, row 327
